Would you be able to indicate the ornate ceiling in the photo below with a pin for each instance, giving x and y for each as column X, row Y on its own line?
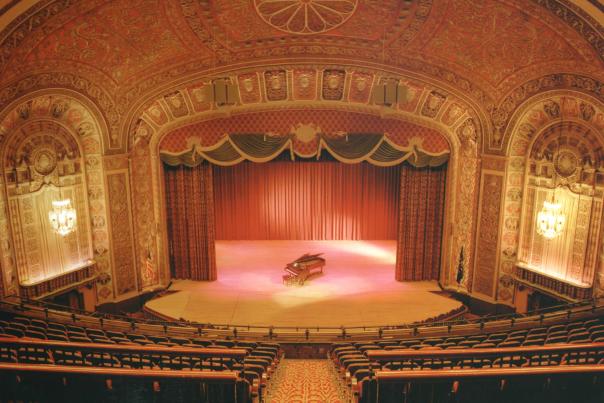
column 120, row 54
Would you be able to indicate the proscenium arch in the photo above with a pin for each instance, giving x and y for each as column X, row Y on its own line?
column 451, row 239
column 467, row 102
column 465, row 133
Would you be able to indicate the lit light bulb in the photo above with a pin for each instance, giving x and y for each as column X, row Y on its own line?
column 550, row 220
column 62, row 217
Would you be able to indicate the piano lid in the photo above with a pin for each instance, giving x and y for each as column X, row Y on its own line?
column 307, row 257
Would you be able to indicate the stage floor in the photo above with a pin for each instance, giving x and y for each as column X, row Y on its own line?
column 357, row 288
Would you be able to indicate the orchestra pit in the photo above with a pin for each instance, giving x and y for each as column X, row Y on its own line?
column 335, row 201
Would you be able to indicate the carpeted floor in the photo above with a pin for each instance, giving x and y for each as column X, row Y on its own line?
column 305, row 381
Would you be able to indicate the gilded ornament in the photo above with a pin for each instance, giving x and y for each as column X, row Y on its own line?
column 155, row 111
column 552, row 109
column 199, row 95
column 566, row 163
column 304, row 80
column 514, row 194
column 44, row 160
column 305, row 16
column 85, row 129
column 275, row 82
column 248, row 85
column 587, row 111
column 333, row 81
column 361, row 83
column 305, row 132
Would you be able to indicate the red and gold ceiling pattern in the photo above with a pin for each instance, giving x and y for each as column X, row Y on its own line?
column 305, row 16
column 126, row 40
column 481, row 49
column 495, row 40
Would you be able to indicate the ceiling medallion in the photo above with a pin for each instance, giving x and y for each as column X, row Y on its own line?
column 44, row 160
column 566, row 163
column 305, row 16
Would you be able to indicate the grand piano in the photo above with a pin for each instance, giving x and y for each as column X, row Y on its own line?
column 303, row 267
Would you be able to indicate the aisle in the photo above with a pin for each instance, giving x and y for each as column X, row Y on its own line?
column 305, row 381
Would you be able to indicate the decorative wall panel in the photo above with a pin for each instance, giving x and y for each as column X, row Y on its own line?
column 276, row 85
column 41, row 253
column 466, row 207
column 249, row 87
column 360, row 87
column 305, row 84
column 333, row 84
column 488, row 234
column 592, row 252
column 569, row 257
column 143, row 208
column 121, row 231
column 9, row 272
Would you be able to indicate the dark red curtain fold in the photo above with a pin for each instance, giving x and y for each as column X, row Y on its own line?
column 420, row 224
column 309, row 200
column 190, row 214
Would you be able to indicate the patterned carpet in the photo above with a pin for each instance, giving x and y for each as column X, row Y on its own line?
column 305, row 381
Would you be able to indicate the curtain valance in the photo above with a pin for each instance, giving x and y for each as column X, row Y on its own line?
column 349, row 148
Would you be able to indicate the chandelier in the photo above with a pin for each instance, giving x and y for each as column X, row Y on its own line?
column 62, row 217
column 550, row 220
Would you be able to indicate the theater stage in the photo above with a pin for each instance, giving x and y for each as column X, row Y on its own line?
column 357, row 288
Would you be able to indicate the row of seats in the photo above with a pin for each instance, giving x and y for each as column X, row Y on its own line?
column 561, row 384
column 259, row 362
column 21, row 326
column 255, row 369
column 352, row 361
column 589, row 331
column 35, row 383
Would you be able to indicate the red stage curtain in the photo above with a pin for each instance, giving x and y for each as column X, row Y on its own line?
column 420, row 226
column 310, row 200
column 190, row 214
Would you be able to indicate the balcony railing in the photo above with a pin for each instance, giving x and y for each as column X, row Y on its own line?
column 560, row 288
column 58, row 284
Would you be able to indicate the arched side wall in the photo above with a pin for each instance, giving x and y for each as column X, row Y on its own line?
column 80, row 118
column 534, row 117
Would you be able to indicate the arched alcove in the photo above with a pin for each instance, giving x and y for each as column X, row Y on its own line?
column 545, row 125
column 41, row 167
column 51, row 146
column 564, row 166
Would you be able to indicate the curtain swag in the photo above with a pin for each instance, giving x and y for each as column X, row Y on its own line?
column 349, row 148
